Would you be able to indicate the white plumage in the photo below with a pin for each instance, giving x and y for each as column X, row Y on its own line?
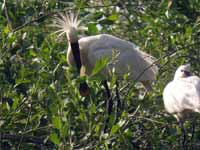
column 93, row 48
column 182, row 95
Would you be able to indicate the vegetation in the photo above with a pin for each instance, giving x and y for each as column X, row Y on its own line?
column 40, row 104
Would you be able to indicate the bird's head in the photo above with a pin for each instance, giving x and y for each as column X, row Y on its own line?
column 183, row 71
column 67, row 23
column 72, row 35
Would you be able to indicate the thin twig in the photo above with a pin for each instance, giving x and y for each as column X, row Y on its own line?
column 149, row 119
column 152, row 131
column 130, row 117
column 39, row 128
column 154, row 63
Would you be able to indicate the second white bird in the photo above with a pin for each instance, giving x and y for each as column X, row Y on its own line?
column 182, row 95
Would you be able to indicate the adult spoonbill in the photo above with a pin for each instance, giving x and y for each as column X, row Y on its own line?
column 93, row 48
column 182, row 95
column 86, row 51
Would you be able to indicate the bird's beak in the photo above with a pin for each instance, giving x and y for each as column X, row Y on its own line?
column 84, row 89
column 187, row 73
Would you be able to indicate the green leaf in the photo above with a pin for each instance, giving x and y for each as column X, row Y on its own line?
column 188, row 31
column 92, row 28
column 64, row 130
column 128, row 133
column 57, row 122
column 100, row 64
column 53, row 108
column 45, row 54
column 11, row 38
column 92, row 108
column 106, row 21
column 6, row 30
column 114, row 129
column 113, row 17
column 54, row 138
column 15, row 104
column 97, row 128
column 82, row 116
column 121, row 123
column 167, row 13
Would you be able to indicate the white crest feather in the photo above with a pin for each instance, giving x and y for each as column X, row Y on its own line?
column 65, row 21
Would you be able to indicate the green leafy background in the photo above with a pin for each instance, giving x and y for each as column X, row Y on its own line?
column 38, row 90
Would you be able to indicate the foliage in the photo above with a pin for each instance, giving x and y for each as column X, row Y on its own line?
column 38, row 90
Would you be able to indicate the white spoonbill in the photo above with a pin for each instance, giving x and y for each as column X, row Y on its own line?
column 182, row 96
column 86, row 51
column 93, row 48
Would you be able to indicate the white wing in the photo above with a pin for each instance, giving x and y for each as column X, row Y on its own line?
column 182, row 94
column 130, row 59
column 195, row 81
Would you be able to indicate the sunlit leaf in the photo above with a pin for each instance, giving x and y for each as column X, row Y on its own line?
column 92, row 28
column 57, row 122
column 113, row 17
column 54, row 138
column 114, row 129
